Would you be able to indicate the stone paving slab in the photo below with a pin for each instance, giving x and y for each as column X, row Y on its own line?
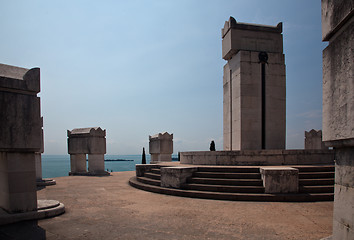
column 109, row 208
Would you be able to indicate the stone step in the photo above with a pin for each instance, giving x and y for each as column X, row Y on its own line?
column 152, row 175
column 149, row 181
column 229, row 169
column 232, row 182
column 156, row 170
column 315, row 175
column 328, row 168
column 301, row 197
column 316, row 182
column 224, row 188
column 227, row 175
column 317, row 189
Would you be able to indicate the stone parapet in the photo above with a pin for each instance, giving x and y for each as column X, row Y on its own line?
column 258, row 157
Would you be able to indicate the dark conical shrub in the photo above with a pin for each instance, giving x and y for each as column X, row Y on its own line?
column 143, row 160
column 212, row 146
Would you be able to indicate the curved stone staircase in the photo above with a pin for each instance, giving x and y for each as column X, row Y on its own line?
column 316, row 183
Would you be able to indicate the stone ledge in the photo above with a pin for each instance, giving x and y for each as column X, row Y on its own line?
column 103, row 173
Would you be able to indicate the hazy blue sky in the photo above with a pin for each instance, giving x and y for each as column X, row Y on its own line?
column 137, row 68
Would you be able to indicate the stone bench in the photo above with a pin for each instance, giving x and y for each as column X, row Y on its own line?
column 280, row 179
column 175, row 177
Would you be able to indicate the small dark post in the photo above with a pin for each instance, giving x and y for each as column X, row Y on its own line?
column 179, row 157
column 143, row 160
column 212, row 146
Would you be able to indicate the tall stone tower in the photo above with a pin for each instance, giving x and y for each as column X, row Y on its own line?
column 254, row 86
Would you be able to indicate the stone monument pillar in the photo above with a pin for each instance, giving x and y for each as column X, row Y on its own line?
column 161, row 147
column 91, row 141
column 20, row 137
column 313, row 140
column 254, row 86
column 338, row 108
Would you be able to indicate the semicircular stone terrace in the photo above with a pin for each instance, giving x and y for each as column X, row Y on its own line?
column 238, row 183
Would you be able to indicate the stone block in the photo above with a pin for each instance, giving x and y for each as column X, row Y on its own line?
column 345, row 167
column 313, row 140
column 87, row 140
column 78, row 163
column 242, row 36
column 96, row 163
column 18, row 184
column 175, row 177
column 20, row 121
column 280, row 179
column 140, row 169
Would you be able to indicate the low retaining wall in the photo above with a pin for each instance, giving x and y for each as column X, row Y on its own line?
column 258, row 157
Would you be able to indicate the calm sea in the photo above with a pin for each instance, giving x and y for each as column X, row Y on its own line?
column 59, row 165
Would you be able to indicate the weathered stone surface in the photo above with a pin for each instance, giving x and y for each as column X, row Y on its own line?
column 175, row 177
column 280, row 179
column 334, row 14
column 338, row 87
column 343, row 212
column 338, row 107
column 161, row 147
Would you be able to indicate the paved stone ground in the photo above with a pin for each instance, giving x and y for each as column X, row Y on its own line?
column 109, row 208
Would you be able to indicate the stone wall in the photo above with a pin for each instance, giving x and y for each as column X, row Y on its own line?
column 338, row 107
column 258, row 157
